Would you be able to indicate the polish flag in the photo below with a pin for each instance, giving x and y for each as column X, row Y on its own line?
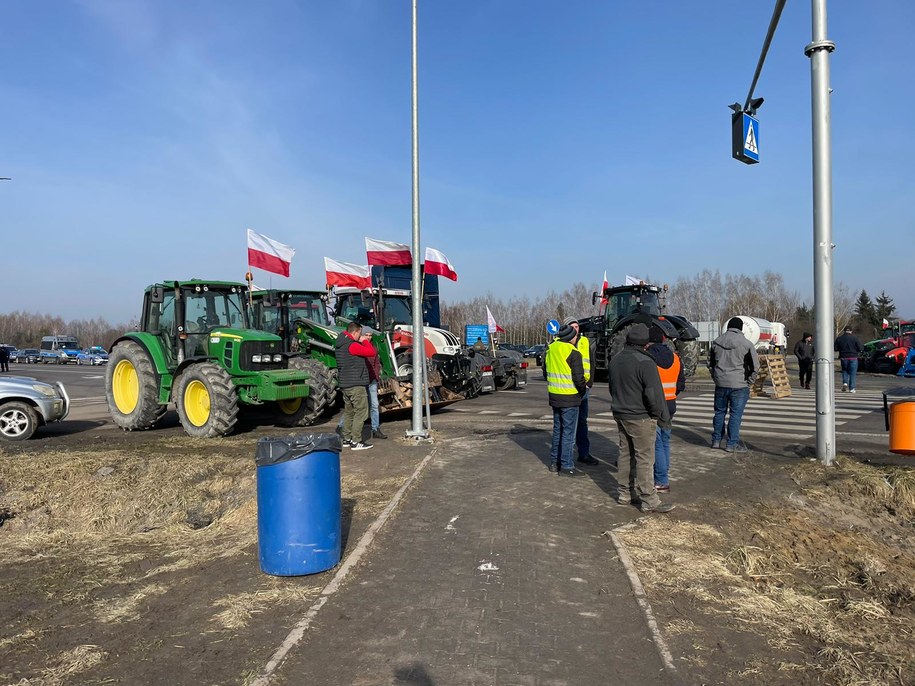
column 346, row 274
column 387, row 254
column 491, row 323
column 268, row 254
column 438, row 264
column 603, row 287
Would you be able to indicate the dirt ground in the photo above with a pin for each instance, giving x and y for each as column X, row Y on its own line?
column 132, row 558
column 801, row 576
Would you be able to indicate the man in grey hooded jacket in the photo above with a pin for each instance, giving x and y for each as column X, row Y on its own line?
column 734, row 365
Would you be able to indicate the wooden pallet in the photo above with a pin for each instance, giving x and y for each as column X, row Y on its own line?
column 771, row 369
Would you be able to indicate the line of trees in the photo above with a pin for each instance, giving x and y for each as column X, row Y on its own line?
column 707, row 296
column 25, row 330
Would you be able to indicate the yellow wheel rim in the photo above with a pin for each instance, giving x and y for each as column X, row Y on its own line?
column 125, row 387
column 197, row 403
column 290, row 406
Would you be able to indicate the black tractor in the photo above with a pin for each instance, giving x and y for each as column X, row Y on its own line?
column 626, row 306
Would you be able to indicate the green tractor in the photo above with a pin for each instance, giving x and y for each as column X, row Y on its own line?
column 195, row 348
column 302, row 320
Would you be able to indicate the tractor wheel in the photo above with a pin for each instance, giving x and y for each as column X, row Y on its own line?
column 305, row 411
column 506, row 383
column 207, row 401
column 617, row 343
column 132, row 388
column 18, row 421
column 689, row 356
column 404, row 364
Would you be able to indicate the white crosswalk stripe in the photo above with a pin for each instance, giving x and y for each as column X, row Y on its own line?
column 792, row 417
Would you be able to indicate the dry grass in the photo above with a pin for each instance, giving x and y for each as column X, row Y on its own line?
column 112, row 529
column 832, row 568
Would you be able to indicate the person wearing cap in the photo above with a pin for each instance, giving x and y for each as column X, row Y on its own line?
column 565, row 383
column 803, row 351
column 582, row 440
column 734, row 365
column 673, row 382
column 637, row 401
column 849, row 348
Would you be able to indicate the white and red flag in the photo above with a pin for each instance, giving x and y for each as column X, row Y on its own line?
column 886, row 324
column 603, row 287
column 269, row 255
column 438, row 264
column 344, row 274
column 491, row 323
column 387, row 254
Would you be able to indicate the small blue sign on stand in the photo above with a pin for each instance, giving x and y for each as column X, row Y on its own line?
column 745, row 138
column 552, row 327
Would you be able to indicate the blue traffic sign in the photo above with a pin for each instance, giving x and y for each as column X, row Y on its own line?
column 745, row 138
column 552, row 327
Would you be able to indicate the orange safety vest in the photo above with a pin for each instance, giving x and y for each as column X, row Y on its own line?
column 669, row 378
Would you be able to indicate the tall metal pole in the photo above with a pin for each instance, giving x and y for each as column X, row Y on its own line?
column 818, row 52
column 419, row 350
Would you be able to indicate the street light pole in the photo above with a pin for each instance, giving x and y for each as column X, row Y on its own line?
column 818, row 52
column 419, row 349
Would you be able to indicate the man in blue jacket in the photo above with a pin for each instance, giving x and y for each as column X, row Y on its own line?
column 849, row 348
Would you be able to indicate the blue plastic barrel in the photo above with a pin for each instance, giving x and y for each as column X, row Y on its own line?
column 298, row 504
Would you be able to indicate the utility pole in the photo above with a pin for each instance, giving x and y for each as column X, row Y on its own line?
column 818, row 52
column 417, row 430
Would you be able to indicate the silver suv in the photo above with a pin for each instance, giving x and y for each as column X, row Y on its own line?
column 26, row 404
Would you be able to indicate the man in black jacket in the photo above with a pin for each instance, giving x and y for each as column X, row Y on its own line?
column 638, row 407
column 803, row 351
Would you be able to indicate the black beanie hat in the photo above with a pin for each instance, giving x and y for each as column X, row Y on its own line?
column 735, row 323
column 638, row 335
column 566, row 333
column 655, row 335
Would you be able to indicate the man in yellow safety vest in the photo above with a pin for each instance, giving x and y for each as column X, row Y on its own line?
column 565, row 383
column 582, row 441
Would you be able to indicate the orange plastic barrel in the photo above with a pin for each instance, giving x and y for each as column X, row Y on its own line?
column 902, row 428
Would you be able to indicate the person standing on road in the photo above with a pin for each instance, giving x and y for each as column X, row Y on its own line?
column 582, row 440
column 374, row 365
column 565, row 383
column 849, row 348
column 803, row 351
column 4, row 359
column 735, row 365
column 638, row 404
column 479, row 346
column 670, row 369
column 353, row 349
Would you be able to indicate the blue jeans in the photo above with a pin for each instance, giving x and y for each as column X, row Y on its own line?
column 565, row 421
column 849, row 372
column 373, row 407
column 662, row 457
column 581, row 429
column 734, row 399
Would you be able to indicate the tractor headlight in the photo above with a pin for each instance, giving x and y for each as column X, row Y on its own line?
column 256, row 359
column 277, row 358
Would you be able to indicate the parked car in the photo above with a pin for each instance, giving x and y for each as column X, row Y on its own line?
column 92, row 357
column 26, row 404
column 28, row 356
column 536, row 352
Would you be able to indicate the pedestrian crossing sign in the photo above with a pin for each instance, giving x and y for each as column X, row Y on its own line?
column 745, row 138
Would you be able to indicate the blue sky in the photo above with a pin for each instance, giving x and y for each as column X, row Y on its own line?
column 557, row 140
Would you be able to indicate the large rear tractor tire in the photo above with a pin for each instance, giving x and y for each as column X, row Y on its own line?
column 132, row 388
column 207, row 401
column 306, row 411
column 18, row 420
column 617, row 343
column 689, row 356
